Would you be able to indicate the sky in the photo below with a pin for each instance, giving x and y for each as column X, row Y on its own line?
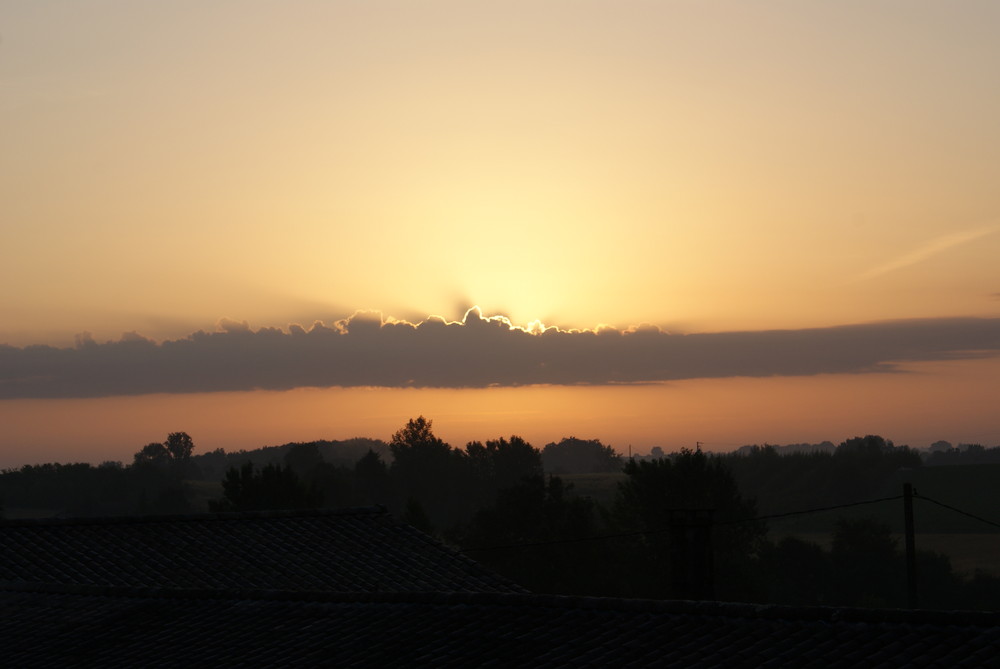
column 651, row 223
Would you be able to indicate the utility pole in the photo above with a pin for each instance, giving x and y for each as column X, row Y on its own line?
column 691, row 567
column 911, row 549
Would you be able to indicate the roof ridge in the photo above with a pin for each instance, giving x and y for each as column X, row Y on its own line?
column 667, row 607
column 376, row 510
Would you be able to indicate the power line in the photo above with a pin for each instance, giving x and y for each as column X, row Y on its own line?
column 956, row 510
column 622, row 535
column 814, row 510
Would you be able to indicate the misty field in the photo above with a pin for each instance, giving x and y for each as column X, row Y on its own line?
column 968, row 552
column 971, row 486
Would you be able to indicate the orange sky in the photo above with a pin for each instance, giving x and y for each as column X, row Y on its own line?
column 945, row 401
column 699, row 167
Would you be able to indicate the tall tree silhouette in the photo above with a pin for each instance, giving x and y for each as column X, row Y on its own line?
column 173, row 454
column 371, row 480
column 160, row 469
column 429, row 471
column 653, row 494
column 499, row 464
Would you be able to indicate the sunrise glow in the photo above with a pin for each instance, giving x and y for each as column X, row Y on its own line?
column 728, row 223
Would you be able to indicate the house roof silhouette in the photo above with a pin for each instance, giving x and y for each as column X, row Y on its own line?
column 350, row 550
column 357, row 588
column 69, row 625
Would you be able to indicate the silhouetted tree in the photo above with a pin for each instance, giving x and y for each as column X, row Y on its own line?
column 862, row 464
column 416, row 435
column 868, row 567
column 303, row 459
column 963, row 454
column 795, row 572
column 76, row 489
column 212, row 465
column 430, row 471
column 530, row 537
column 655, row 490
column 174, row 454
column 580, row 456
column 501, row 464
column 159, row 469
column 371, row 480
column 779, row 480
column 333, row 484
column 154, row 453
column 179, row 445
column 270, row 488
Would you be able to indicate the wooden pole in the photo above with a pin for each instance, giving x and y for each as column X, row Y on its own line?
column 911, row 549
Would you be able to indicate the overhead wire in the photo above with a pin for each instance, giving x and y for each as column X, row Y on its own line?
column 813, row 510
column 917, row 495
column 636, row 533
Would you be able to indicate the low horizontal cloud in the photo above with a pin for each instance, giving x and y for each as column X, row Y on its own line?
column 368, row 350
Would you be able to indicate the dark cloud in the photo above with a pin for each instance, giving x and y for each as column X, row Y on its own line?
column 364, row 350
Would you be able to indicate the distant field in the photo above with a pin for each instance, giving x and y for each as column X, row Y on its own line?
column 967, row 552
column 968, row 548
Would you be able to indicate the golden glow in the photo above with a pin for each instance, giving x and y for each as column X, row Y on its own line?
column 685, row 166
column 696, row 166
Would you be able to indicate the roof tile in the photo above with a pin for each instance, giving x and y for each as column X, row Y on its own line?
column 352, row 550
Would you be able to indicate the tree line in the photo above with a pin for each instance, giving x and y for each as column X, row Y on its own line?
column 682, row 525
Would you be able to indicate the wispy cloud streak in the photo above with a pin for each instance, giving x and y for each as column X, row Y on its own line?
column 928, row 250
column 367, row 350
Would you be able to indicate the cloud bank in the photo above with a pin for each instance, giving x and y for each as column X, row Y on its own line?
column 478, row 352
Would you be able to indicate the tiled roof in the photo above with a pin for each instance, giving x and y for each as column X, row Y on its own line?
column 351, row 550
column 73, row 625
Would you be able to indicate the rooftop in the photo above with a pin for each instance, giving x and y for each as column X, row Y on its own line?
column 350, row 550
column 60, row 625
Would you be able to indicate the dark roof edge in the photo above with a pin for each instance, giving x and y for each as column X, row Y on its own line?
column 457, row 554
column 662, row 607
column 188, row 517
